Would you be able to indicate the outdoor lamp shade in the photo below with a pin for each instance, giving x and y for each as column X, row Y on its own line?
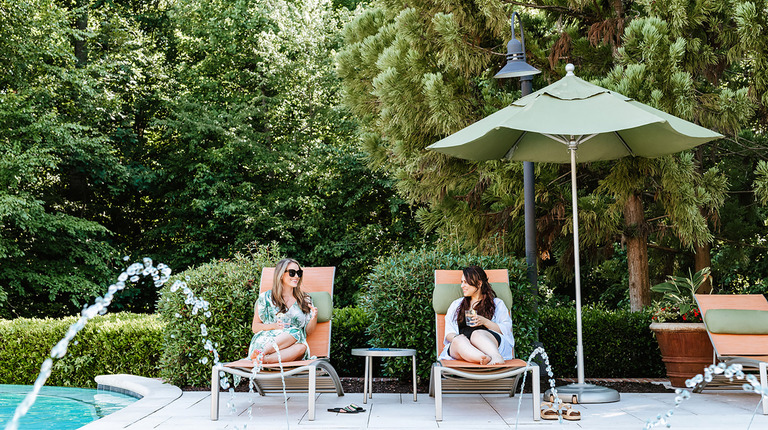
column 516, row 66
column 516, row 69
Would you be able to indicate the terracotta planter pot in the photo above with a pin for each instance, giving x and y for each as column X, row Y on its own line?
column 685, row 349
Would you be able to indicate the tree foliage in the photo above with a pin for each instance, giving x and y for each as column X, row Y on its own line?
column 183, row 130
column 56, row 165
column 416, row 72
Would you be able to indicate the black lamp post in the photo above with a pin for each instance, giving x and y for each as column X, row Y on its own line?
column 517, row 68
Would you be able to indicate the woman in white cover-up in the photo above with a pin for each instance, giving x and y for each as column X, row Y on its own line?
column 485, row 337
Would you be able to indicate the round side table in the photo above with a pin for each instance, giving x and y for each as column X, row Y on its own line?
column 369, row 353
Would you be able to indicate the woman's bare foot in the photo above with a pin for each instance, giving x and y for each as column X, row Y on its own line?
column 496, row 359
column 270, row 358
column 485, row 359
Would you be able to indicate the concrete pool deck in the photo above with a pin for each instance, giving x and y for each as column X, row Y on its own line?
column 165, row 406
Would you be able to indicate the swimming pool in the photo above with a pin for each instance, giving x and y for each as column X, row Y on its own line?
column 60, row 408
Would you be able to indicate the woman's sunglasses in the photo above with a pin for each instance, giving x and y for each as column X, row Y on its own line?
column 292, row 273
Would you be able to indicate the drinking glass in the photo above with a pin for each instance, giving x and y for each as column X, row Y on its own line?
column 286, row 320
column 469, row 315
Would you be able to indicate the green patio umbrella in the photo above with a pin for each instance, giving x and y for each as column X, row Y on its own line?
column 569, row 121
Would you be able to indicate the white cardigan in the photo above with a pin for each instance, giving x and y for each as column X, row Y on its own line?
column 500, row 317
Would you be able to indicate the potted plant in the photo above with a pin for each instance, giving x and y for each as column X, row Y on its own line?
column 677, row 324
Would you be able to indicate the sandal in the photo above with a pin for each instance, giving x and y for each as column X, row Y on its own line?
column 548, row 411
column 344, row 410
column 356, row 407
column 570, row 414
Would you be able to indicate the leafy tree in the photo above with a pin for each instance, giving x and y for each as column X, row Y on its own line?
column 416, row 72
column 53, row 252
column 253, row 145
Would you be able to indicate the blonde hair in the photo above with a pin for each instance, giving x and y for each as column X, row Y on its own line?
column 302, row 298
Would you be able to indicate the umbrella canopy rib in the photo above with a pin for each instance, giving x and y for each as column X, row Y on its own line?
column 623, row 142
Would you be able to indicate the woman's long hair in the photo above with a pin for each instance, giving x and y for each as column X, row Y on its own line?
column 302, row 298
column 476, row 277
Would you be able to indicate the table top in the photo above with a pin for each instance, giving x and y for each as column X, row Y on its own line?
column 384, row 352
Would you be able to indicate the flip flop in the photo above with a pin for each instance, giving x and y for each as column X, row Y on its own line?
column 356, row 407
column 548, row 411
column 344, row 410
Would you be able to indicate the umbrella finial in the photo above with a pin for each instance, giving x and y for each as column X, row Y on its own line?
column 569, row 68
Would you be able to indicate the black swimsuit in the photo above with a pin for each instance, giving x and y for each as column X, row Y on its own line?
column 467, row 331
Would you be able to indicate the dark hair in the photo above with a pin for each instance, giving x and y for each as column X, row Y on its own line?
column 476, row 277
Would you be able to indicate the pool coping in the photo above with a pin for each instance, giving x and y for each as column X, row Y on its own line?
column 153, row 395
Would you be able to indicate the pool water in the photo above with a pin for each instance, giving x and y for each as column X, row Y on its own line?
column 60, row 408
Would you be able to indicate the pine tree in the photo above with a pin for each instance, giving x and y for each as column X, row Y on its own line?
column 417, row 72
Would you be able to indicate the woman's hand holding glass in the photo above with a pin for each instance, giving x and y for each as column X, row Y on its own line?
column 282, row 321
column 480, row 321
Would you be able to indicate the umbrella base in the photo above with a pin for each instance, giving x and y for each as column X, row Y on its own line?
column 583, row 393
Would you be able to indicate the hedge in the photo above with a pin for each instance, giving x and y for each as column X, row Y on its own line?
column 231, row 289
column 113, row 343
column 617, row 343
column 349, row 331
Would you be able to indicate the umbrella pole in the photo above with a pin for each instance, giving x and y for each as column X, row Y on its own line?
column 580, row 392
column 574, row 203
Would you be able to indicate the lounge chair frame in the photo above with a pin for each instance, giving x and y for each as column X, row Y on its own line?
column 310, row 376
column 749, row 350
column 461, row 377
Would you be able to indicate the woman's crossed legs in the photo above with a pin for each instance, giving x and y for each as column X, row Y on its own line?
column 289, row 349
column 481, row 347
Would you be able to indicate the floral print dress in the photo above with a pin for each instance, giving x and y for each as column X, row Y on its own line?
column 268, row 312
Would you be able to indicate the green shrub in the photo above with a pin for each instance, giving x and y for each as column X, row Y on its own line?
column 349, row 331
column 398, row 296
column 114, row 343
column 617, row 343
column 231, row 288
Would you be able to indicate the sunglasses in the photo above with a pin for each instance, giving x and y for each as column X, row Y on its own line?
column 292, row 273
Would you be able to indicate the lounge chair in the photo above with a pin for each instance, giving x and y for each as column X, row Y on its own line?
column 738, row 328
column 462, row 377
column 311, row 376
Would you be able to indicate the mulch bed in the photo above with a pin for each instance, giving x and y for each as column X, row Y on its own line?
column 392, row 385
column 388, row 385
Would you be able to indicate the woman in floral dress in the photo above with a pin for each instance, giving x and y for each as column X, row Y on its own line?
column 283, row 316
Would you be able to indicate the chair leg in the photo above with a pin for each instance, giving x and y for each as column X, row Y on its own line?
column 215, row 393
column 432, row 382
column 311, row 395
column 326, row 366
column 764, row 384
column 536, row 391
column 414, row 377
column 515, row 384
column 365, row 380
column 437, row 373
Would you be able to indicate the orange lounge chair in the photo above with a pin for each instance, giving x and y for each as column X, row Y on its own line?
column 461, row 377
column 737, row 325
column 311, row 376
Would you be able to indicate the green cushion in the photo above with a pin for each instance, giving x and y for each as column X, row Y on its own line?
column 737, row 321
column 444, row 294
column 324, row 304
